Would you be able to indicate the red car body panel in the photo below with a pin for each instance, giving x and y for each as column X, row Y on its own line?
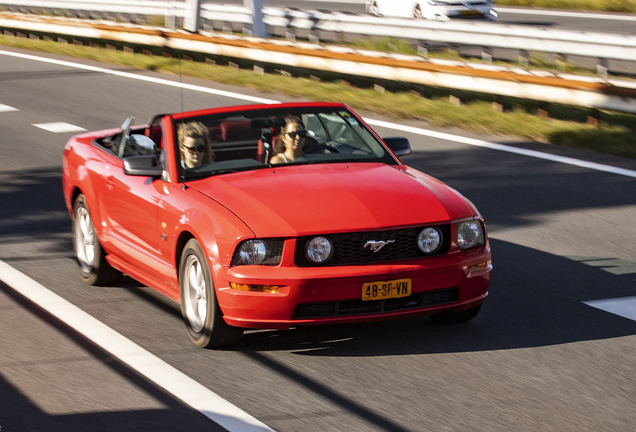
column 142, row 222
column 344, row 197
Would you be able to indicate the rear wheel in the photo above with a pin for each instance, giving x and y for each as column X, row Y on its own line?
column 417, row 11
column 448, row 317
column 94, row 268
column 201, row 313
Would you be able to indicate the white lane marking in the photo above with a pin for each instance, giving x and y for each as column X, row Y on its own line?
column 59, row 127
column 567, row 14
column 624, row 306
column 141, row 78
column 501, row 147
column 172, row 380
column 7, row 108
column 439, row 135
column 615, row 266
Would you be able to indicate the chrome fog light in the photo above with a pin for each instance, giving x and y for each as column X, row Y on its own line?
column 319, row 250
column 429, row 240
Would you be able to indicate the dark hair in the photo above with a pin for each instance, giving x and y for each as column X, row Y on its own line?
column 279, row 145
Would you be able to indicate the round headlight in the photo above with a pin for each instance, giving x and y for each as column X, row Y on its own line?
column 429, row 240
column 469, row 234
column 253, row 251
column 319, row 249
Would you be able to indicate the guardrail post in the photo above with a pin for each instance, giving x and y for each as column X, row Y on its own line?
column 524, row 59
column 561, row 61
column 499, row 104
column 601, row 68
column 455, row 97
column 170, row 21
column 593, row 117
column 192, row 16
column 258, row 26
column 486, row 54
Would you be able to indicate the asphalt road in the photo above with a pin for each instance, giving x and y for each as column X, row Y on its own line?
column 593, row 22
column 549, row 19
column 536, row 358
column 570, row 20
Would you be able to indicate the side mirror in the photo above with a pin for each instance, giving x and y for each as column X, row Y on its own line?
column 399, row 145
column 145, row 165
column 141, row 144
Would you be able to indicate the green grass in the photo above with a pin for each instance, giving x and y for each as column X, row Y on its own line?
column 567, row 125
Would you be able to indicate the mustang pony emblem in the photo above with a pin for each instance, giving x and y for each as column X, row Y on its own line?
column 376, row 245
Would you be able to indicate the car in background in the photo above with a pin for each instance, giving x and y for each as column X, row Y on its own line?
column 344, row 233
column 442, row 10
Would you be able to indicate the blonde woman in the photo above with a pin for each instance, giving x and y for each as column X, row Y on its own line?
column 194, row 145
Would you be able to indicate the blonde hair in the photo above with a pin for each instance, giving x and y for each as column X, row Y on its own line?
column 195, row 130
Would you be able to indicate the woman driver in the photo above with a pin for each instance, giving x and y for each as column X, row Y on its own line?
column 194, row 145
column 291, row 141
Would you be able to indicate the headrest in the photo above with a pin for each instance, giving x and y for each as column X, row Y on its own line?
column 238, row 130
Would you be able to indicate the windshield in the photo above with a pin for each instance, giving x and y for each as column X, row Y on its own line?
column 242, row 140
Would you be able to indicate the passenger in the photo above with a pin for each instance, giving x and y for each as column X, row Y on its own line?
column 291, row 141
column 194, row 145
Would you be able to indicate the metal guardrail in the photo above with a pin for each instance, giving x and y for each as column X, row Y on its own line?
column 316, row 25
column 587, row 92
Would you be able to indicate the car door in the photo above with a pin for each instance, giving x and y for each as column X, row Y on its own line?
column 130, row 203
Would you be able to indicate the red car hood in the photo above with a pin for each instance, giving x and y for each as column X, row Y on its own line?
column 328, row 198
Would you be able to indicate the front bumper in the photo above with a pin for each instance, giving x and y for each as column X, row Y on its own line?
column 331, row 295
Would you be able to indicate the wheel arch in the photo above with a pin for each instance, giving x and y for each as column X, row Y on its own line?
column 184, row 237
column 74, row 194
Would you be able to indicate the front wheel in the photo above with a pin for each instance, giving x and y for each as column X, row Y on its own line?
column 372, row 8
column 94, row 268
column 201, row 313
column 448, row 317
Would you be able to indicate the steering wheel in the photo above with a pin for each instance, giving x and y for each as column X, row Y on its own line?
column 321, row 148
column 328, row 146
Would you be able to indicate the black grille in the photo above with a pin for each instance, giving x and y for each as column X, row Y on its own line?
column 348, row 248
column 359, row 307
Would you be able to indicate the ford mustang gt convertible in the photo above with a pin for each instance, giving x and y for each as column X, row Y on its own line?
column 271, row 217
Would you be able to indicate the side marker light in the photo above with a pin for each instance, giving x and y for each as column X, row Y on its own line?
column 257, row 288
column 479, row 266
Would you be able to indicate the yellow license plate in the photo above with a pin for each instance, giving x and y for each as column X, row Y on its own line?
column 470, row 12
column 386, row 289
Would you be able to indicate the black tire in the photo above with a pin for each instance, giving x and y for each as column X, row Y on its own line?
column 201, row 313
column 94, row 268
column 449, row 317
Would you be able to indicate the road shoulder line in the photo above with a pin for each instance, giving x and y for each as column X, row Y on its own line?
column 161, row 373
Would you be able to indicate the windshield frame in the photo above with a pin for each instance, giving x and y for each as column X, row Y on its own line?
column 269, row 111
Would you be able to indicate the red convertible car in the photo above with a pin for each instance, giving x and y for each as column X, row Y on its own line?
column 273, row 216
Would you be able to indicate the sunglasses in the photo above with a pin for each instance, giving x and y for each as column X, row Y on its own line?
column 194, row 149
column 293, row 135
